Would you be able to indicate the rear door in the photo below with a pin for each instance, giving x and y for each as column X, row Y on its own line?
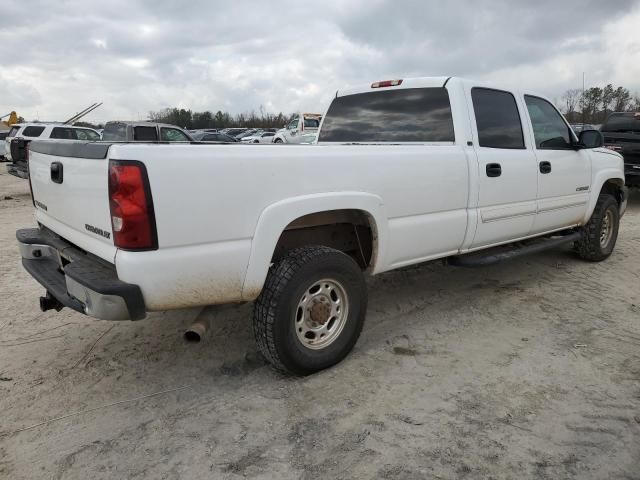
column 563, row 173
column 69, row 181
column 507, row 167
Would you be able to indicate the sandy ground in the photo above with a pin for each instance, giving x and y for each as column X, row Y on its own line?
column 529, row 369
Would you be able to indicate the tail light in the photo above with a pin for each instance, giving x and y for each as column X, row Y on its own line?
column 131, row 205
column 386, row 83
column 615, row 148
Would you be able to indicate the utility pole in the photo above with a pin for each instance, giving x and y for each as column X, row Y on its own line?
column 583, row 97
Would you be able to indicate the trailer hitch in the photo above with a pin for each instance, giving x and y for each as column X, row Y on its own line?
column 49, row 302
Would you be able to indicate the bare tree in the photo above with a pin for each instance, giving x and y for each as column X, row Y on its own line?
column 571, row 99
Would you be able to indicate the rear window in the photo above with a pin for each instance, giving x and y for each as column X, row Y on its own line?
column 64, row 133
column 32, row 131
column 622, row 122
column 115, row 132
column 406, row 115
column 145, row 134
column 13, row 132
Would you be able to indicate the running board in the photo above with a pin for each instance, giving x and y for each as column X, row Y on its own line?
column 482, row 259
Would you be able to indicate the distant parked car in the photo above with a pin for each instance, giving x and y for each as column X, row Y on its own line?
column 621, row 133
column 21, row 134
column 234, row 131
column 260, row 137
column 3, row 135
column 144, row 132
column 213, row 137
column 578, row 127
column 251, row 131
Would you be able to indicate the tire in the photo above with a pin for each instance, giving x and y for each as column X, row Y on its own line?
column 278, row 140
column 284, row 323
column 598, row 239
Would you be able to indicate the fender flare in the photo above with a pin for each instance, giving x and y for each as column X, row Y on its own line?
column 601, row 178
column 274, row 219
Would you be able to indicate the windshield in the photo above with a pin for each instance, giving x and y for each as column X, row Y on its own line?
column 622, row 122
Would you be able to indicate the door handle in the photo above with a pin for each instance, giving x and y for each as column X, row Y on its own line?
column 545, row 167
column 56, row 172
column 494, row 170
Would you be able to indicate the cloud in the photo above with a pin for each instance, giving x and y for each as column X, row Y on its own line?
column 289, row 55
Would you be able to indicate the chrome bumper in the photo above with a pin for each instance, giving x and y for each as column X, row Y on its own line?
column 76, row 280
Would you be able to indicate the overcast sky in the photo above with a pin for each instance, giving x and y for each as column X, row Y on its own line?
column 137, row 56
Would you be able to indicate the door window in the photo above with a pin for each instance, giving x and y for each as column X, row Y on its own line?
column 145, row 134
column 173, row 135
column 497, row 119
column 32, row 131
column 549, row 129
column 64, row 133
column 293, row 125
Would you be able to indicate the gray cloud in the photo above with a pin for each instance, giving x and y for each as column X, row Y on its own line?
column 141, row 56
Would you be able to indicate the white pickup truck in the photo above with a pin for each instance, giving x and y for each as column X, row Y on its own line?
column 403, row 172
column 303, row 128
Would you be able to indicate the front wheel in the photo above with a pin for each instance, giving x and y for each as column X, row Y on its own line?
column 311, row 310
column 278, row 140
column 600, row 233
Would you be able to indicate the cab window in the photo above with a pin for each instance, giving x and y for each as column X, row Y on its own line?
column 145, row 134
column 293, row 124
column 87, row 135
column 497, row 119
column 32, row 131
column 173, row 135
column 549, row 129
column 63, row 133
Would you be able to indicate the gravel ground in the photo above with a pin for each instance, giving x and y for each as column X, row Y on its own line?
column 528, row 369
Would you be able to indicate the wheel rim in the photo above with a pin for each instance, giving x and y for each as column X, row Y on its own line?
column 606, row 230
column 321, row 314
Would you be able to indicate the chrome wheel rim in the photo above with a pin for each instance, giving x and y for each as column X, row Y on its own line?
column 606, row 230
column 321, row 314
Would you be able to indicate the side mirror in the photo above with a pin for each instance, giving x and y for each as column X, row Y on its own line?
column 590, row 139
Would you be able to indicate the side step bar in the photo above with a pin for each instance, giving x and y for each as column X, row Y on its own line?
column 480, row 259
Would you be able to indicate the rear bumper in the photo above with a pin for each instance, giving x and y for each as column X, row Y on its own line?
column 78, row 280
column 17, row 171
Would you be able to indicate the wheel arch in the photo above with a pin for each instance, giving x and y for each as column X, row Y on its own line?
column 275, row 219
column 607, row 181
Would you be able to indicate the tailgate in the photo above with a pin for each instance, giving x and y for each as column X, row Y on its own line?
column 69, row 181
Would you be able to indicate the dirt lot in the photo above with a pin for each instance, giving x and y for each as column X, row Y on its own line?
column 529, row 369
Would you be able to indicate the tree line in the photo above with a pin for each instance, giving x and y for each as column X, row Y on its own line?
column 594, row 104
column 196, row 120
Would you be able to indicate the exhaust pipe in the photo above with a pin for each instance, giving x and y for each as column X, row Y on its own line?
column 196, row 332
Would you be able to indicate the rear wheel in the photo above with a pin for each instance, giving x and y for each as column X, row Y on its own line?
column 311, row 310
column 278, row 140
column 600, row 233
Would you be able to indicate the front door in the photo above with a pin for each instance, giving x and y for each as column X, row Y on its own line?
column 506, row 206
column 291, row 133
column 564, row 173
